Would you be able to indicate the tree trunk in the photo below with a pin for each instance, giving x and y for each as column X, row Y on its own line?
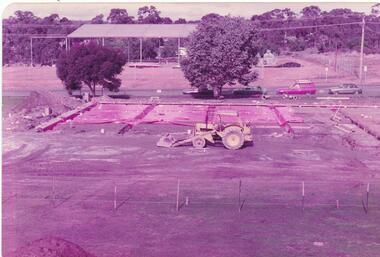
column 217, row 92
column 92, row 89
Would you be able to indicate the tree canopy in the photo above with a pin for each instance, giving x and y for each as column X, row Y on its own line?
column 92, row 65
column 274, row 25
column 221, row 51
column 119, row 16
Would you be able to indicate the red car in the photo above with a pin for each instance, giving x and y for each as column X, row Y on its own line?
column 301, row 87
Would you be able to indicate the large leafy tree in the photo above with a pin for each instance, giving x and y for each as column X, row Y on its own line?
column 149, row 15
column 18, row 29
column 98, row 19
column 119, row 16
column 311, row 11
column 221, row 52
column 92, row 65
column 180, row 21
column 14, row 43
column 47, row 50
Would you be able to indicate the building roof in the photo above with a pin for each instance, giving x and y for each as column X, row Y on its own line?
column 133, row 31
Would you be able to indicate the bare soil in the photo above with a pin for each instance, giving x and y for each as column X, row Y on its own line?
column 62, row 184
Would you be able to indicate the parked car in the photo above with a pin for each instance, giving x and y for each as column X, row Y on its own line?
column 198, row 93
column 349, row 88
column 227, row 92
column 300, row 87
column 249, row 91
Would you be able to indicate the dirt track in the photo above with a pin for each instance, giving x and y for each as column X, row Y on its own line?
column 61, row 183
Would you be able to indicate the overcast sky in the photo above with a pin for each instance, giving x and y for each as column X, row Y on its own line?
column 189, row 11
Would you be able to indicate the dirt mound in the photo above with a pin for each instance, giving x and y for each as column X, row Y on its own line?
column 51, row 247
column 42, row 99
column 38, row 107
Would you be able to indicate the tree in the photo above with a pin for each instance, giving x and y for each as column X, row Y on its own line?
column 149, row 15
column 375, row 9
column 180, row 21
column 311, row 11
column 98, row 19
column 14, row 47
column 220, row 52
column 166, row 20
column 211, row 17
column 92, row 65
column 119, row 16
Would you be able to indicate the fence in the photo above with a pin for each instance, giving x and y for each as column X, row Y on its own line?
column 178, row 193
column 343, row 64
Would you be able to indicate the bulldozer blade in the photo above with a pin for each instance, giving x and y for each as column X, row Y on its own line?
column 166, row 141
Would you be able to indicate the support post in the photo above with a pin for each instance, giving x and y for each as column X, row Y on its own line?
column 239, row 192
column 367, row 196
column 114, row 198
column 159, row 50
column 240, row 204
column 53, row 186
column 140, row 50
column 31, row 51
column 303, row 195
column 103, row 41
column 361, row 53
column 66, row 46
column 179, row 45
column 177, row 203
column 128, row 50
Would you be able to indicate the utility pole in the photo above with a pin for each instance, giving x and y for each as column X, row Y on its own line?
column 361, row 53
column 31, row 51
column 128, row 50
column 179, row 45
column 140, row 50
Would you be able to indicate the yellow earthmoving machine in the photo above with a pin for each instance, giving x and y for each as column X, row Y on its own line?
column 233, row 134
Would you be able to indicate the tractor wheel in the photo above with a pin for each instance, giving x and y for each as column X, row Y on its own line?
column 199, row 142
column 233, row 139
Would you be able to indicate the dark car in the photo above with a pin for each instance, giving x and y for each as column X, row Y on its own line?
column 227, row 92
column 349, row 88
column 249, row 91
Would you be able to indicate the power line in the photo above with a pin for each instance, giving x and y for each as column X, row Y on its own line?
column 374, row 31
column 34, row 35
column 301, row 19
column 254, row 21
column 265, row 29
column 40, row 25
column 311, row 26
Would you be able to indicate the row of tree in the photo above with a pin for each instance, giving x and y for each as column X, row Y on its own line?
column 145, row 15
column 316, row 29
column 221, row 52
column 19, row 28
column 280, row 30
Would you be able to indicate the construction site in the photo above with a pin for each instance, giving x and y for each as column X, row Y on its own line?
column 150, row 171
column 311, row 172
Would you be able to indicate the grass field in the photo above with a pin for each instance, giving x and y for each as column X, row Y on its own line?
column 169, row 77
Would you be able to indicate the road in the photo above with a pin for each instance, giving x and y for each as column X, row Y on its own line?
column 372, row 91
